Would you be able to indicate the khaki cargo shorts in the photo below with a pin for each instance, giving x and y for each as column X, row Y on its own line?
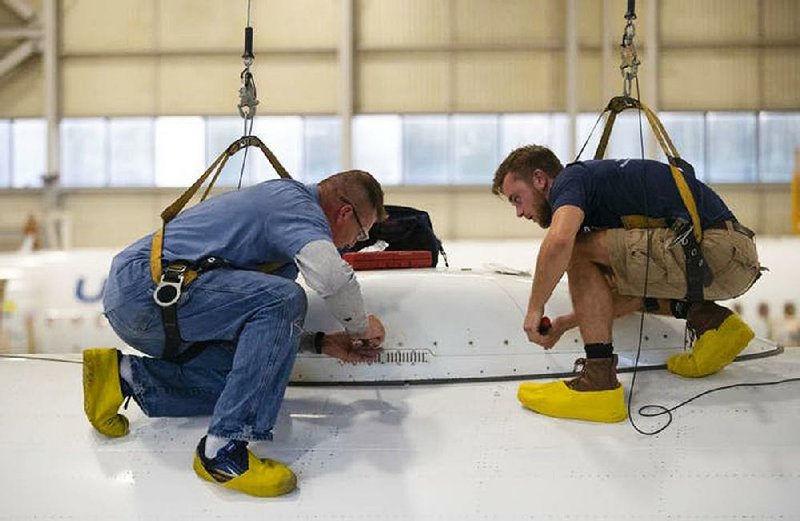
column 730, row 253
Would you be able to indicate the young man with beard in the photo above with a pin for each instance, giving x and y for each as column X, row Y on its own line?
column 611, row 225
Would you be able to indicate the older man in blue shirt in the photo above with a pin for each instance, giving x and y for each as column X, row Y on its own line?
column 240, row 327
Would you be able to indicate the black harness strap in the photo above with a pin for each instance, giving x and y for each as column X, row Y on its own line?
column 698, row 274
column 172, row 341
column 168, row 293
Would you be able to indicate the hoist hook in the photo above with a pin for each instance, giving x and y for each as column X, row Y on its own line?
column 630, row 61
column 248, row 96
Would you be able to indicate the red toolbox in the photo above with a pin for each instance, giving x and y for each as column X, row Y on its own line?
column 384, row 260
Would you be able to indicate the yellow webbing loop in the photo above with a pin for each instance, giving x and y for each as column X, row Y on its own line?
column 620, row 103
column 156, row 247
column 642, row 221
column 270, row 267
column 169, row 213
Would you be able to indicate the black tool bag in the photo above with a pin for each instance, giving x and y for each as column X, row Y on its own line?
column 405, row 229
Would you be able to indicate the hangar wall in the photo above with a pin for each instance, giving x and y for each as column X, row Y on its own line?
column 180, row 57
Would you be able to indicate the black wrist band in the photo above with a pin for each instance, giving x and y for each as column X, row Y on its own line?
column 318, row 342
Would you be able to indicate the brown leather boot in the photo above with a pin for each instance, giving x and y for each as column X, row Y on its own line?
column 705, row 316
column 597, row 374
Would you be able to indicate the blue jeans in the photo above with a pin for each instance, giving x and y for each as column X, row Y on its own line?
column 247, row 324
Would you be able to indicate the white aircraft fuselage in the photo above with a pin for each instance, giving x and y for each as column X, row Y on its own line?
column 442, row 324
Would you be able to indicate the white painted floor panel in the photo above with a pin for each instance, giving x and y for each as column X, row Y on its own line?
column 438, row 452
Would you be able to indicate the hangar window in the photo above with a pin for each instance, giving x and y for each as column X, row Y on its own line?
column 179, row 150
column 377, row 146
column 322, row 142
column 551, row 130
column 131, row 148
column 687, row 130
column 411, row 149
column 5, row 155
column 219, row 133
column 425, row 150
column 625, row 139
column 778, row 138
column 28, row 152
column 83, row 152
column 284, row 136
column 731, row 147
column 475, row 139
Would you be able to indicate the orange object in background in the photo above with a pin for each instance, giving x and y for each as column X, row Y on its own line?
column 385, row 260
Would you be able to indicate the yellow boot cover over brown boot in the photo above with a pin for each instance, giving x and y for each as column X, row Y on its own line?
column 595, row 395
column 713, row 350
column 241, row 470
column 102, row 394
column 557, row 400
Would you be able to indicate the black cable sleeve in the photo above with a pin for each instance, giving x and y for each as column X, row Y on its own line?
column 248, row 43
column 631, row 13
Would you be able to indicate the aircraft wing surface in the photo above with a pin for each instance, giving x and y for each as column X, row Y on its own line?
column 459, row 451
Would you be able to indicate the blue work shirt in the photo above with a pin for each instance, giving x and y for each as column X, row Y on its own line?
column 607, row 190
column 266, row 223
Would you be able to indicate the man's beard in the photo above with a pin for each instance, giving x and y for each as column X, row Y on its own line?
column 545, row 212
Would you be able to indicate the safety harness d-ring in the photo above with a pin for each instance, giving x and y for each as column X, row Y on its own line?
column 169, row 288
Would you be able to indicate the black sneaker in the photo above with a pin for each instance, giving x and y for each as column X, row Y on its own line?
column 230, row 461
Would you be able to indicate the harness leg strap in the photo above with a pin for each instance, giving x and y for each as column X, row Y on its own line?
column 169, row 317
column 174, row 279
column 698, row 274
column 166, row 295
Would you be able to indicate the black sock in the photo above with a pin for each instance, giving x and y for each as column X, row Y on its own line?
column 599, row 350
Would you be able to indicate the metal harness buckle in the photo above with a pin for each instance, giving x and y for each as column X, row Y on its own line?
column 682, row 229
column 169, row 287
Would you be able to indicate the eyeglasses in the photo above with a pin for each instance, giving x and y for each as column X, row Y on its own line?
column 363, row 234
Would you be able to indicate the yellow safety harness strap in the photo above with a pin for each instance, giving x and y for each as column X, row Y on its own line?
column 156, row 247
column 169, row 213
column 698, row 275
column 620, row 103
column 688, row 201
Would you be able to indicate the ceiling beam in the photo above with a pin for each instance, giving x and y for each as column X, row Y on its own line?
column 17, row 33
column 21, row 8
column 16, row 56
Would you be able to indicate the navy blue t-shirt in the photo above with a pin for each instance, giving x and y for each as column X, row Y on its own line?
column 606, row 190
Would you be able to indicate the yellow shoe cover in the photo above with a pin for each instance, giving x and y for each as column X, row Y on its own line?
column 558, row 400
column 715, row 349
column 102, row 396
column 263, row 477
